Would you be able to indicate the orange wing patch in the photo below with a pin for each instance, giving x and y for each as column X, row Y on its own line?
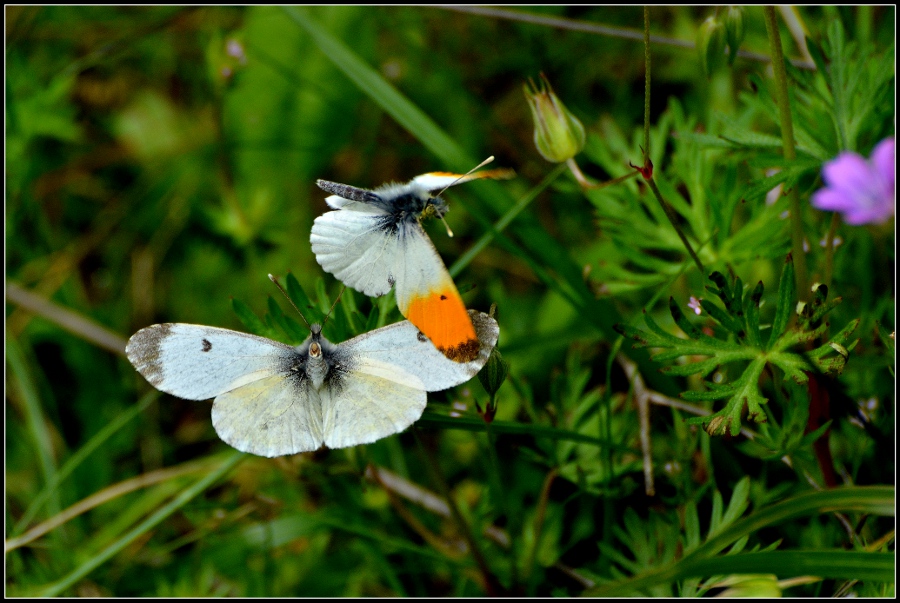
column 442, row 317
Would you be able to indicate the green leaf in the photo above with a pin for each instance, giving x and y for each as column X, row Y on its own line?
column 741, row 318
column 311, row 314
column 876, row 500
column 785, row 302
column 251, row 320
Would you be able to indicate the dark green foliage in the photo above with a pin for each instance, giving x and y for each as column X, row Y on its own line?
column 161, row 161
column 783, row 346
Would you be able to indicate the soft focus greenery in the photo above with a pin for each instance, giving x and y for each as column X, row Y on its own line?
column 161, row 161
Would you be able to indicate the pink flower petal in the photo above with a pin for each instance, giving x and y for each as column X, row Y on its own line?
column 848, row 172
column 860, row 216
column 831, row 200
column 883, row 159
column 861, row 190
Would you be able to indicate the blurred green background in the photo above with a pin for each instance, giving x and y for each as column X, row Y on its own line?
column 162, row 161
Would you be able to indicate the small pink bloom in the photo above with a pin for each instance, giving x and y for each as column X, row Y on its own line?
column 863, row 191
column 694, row 304
column 236, row 50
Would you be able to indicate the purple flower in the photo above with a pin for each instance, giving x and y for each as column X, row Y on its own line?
column 861, row 190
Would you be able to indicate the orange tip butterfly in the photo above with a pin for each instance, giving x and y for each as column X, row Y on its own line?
column 272, row 399
column 374, row 241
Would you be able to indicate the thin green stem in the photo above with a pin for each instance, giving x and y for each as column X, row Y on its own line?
column 39, row 427
column 670, row 213
column 790, row 153
column 504, row 221
column 646, row 85
column 492, row 586
column 511, row 521
column 540, row 515
column 647, row 168
column 586, row 184
column 829, row 248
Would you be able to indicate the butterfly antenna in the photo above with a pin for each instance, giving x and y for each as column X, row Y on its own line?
column 333, row 305
column 280, row 288
column 447, row 226
column 477, row 167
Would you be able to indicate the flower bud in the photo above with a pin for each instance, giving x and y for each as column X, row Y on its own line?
column 750, row 585
column 711, row 44
column 558, row 135
column 734, row 30
column 494, row 373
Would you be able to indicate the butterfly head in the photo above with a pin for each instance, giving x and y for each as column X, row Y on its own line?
column 317, row 351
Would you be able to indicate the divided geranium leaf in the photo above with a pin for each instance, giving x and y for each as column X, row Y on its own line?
column 741, row 346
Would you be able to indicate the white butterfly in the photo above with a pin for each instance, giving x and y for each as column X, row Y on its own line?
column 374, row 242
column 273, row 399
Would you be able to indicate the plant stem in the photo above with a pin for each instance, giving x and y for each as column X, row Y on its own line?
column 787, row 137
column 491, row 584
column 586, row 184
column 670, row 213
column 829, row 248
column 646, row 85
column 647, row 169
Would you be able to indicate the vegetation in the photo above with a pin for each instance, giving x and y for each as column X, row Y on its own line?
column 696, row 389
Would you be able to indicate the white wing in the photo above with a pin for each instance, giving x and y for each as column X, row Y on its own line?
column 275, row 416
column 436, row 181
column 421, row 270
column 414, row 359
column 352, row 245
column 363, row 407
column 198, row 362
column 262, row 406
column 388, row 372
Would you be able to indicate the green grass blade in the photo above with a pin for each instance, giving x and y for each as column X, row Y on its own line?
column 875, row 500
column 37, row 426
column 79, row 457
column 512, row 428
column 145, row 526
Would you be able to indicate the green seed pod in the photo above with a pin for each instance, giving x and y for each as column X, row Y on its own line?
column 711, row 44
column 494, row 373
column 734, row 30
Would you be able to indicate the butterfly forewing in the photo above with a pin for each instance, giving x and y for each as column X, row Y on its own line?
column 356, row 248
column 198, row 362
column 403, row 345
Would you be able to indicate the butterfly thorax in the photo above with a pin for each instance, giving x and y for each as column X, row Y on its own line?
column 320, row 360
column 405, row 205
column 409, row 201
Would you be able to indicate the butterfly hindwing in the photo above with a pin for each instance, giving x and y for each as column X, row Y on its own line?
column 389, row 371
column 279, row 415
column 428, row 298
column 364, row 406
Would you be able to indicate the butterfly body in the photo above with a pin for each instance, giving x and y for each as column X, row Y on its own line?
column 374, row 241
column 273, row 399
